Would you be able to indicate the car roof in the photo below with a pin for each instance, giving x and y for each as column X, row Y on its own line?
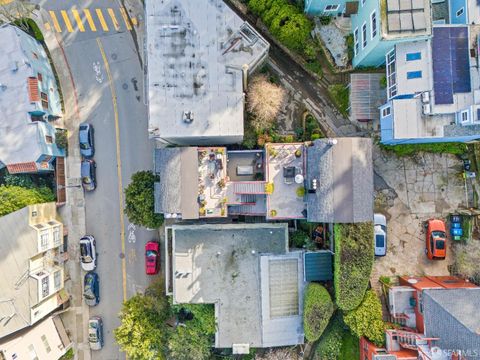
column 380, row 219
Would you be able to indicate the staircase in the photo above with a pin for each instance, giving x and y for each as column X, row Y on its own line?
column 248, row 198
column 244, row 210
column 249, row 187
column 410, row 340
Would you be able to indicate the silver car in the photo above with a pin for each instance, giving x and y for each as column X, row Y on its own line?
column 88, row 256
column 95, row 333
column 380, row 234
column 85, row 137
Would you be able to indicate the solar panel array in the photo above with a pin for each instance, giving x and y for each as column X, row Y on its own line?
column 451, row 69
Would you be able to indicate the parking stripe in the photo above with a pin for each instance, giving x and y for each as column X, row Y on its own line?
column 68, row 24
column 114, row 18
column 89, row 18
column 56, row 25
column 76, row 15
column 102, row 19
column 125, row 18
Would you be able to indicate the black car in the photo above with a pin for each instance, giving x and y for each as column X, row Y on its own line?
column 91, row 289
column 85, row 135
column 88, row 174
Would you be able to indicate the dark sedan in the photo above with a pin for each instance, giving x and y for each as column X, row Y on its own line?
column 91, row 289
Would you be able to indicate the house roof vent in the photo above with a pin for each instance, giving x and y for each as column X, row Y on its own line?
column 412, row 281
column 188, row 117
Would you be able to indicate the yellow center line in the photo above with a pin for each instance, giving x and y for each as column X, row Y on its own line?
column 102, row 19
column 56, row 25
column 68, row 24
column 114, row 19
column 125, row 18
column 76, row 15
column 89, row 18
column 134, row 21
column 119, row 167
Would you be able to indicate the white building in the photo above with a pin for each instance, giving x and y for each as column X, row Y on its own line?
column 199, row 53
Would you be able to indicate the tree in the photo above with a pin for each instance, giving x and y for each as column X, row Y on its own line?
column 264, row 102
column 318, row 308
column 366, row 320
column 139, row 200
column 330, row 343
column 143, row 333
column 13, row 198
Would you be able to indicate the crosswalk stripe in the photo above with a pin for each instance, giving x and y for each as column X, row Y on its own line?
column 67, row 21
column 114, row 19
column 76, row 15
column 89, row 18
column 125, row 18
column 102, row 19
column 56, row 25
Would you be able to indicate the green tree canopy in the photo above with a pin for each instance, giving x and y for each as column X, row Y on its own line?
column 318, row 308
column 13, row 198
column 139, row 200
column 366, row 320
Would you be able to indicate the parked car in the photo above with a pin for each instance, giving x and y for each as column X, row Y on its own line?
column 85, row 135
column 95, row 333
column 88, row 174
column 152, row 257
column 380, row 234
column 88, row 256
column 436, row 240
column 91, row 289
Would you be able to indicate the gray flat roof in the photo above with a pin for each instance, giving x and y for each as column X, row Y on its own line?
column 344, row 175
column 220, row 264
column 196, row 50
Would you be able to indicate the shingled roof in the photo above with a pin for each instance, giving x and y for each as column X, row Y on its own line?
column 453, row 316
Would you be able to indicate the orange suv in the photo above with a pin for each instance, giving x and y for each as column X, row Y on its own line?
column 436, row 246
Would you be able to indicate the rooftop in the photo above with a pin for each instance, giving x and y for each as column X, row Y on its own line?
column 242, row 269
column 406, row 18
column 196, row 51
column 20, row 135
column 366, row 96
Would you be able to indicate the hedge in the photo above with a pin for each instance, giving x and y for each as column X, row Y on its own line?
column 330, row 344
column 353, row 261
column 318, row 308
column 436, row 148
column 367, row 320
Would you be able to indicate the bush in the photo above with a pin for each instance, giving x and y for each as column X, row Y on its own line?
column 14, row 198
column 61, row 138
column 31, row 27
column 318, row 308
column 298, row 239
column 340, row 95
column 330, row 344
column 366, row 320
column 350, row 47
column 139, row 200
column 68, row 355
column 353, row 263
column 466, row 260
column 412, row 149
column 300, row 191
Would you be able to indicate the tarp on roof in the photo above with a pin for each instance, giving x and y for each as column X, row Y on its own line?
column 318, row 266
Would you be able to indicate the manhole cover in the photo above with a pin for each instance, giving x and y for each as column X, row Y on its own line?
column 125, row 86
column 122, row 256
column 114, row 56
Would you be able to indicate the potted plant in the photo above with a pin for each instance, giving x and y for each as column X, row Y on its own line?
column 298, row 153
column 273, row 213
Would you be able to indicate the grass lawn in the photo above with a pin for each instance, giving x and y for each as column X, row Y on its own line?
column 341, row 97
column 411, row 149
column 350, row 347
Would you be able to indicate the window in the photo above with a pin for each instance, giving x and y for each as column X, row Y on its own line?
column 45, row 287
column 464, row 116
column 57, row 241
column 48, row 139
column 44, row 97
column 57, row 279
column 386, row 111
column 45, row 343
column 39, row 77
column 373, row 24
column 460, row 12
column 364, row 35
column 414, row 56
column 414, row 75
column 32, row 353
column 356, row 41
column 44, row 240
column 331, row 7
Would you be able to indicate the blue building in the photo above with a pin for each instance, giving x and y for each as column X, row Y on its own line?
column 451, row 11
column 432, row 97
column 29, row 104
column 325, row 7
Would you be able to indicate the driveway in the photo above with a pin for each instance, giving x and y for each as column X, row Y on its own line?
column 409, row 191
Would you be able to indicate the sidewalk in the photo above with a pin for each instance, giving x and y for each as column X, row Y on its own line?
column 73, row 212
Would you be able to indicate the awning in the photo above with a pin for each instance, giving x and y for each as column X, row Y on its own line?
column 318, row 266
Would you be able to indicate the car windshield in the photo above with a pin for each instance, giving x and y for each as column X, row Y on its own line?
column 89, row 296
column 84, row 146
column 379, row 241
column 85, row 250
column 86, row 180
column 438, row 234
column 151, row 253
column 440, row 244
column 92, row 337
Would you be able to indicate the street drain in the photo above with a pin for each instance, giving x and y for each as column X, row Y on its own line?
column 122, row 256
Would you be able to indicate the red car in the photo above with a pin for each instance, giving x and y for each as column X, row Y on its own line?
column 436, row 247
column 152, row 257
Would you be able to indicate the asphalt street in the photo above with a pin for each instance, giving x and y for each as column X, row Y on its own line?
column 106, row 70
